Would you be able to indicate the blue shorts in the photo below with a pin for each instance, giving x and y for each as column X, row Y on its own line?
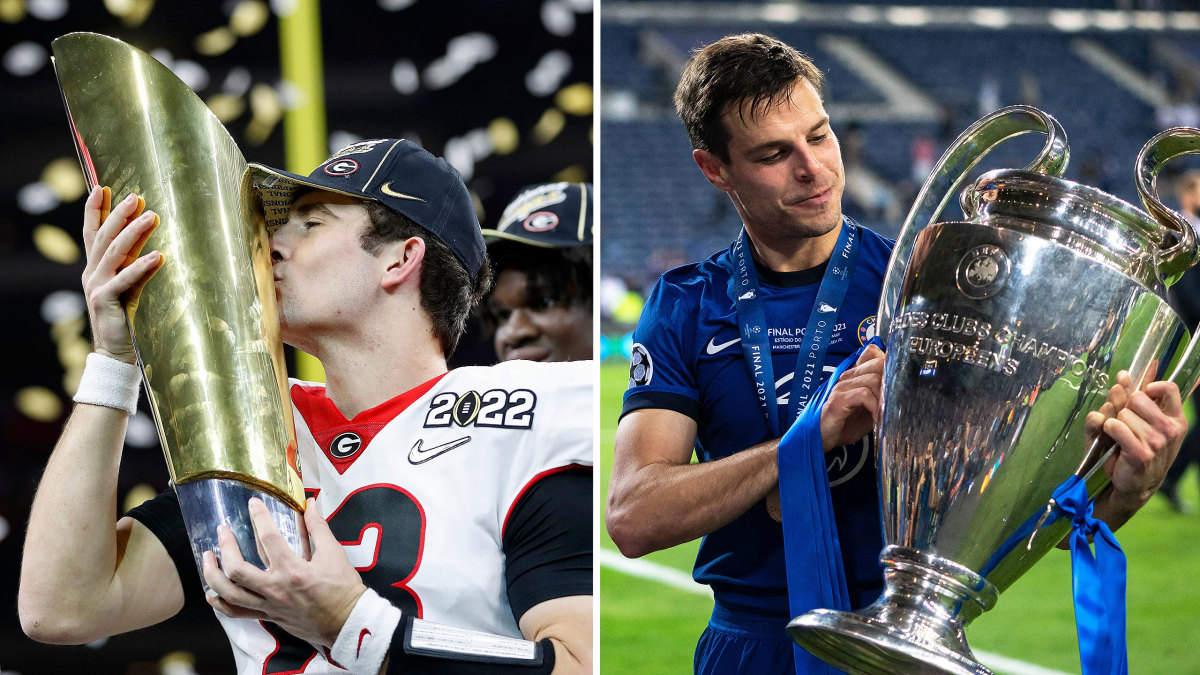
column 738, row 642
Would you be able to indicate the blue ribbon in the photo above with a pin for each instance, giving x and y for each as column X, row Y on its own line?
column 818, row 332
column 813, row 556
column 1098, row 582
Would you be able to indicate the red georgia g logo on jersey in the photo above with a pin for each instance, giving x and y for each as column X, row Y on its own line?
column 345, row 445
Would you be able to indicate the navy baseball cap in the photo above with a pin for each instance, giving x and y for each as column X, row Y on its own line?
column 551, row 215
column 397, row 173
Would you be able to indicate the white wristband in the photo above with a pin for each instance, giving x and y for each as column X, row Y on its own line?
column 110, row 383
column 366, row 636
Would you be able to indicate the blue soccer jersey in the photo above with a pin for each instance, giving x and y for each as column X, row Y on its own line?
column 687, row 357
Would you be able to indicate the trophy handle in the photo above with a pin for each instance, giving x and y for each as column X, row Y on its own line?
column 1172, row 263
column 947, row 177
column 1188, row 371
column 1167, row 145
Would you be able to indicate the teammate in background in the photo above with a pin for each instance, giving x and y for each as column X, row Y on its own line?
column 378, row 262
column 752, row 107
column 1185, row 298
column 541, row 306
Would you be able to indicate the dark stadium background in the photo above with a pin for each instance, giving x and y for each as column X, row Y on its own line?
column 504, row 88
column 903, row 78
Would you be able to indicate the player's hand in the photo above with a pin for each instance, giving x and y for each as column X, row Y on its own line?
column 115, row 274
column 1148, row 427
column 853, row 406
column 310, row 599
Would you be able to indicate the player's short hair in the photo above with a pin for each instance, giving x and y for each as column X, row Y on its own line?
column 448, row 293
column 555, row 275
column 750, row 68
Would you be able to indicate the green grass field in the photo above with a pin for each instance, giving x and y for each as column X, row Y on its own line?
column 647, row 627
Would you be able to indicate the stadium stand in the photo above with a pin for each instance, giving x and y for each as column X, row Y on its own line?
column 1107, row 87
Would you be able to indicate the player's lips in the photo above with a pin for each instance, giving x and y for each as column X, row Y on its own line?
column 817, row 199
column 528, row 353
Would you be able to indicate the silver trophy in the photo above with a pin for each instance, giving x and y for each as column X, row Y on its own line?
column 1003, row 332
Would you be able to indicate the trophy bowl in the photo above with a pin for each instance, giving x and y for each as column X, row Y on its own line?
column 1003, row 332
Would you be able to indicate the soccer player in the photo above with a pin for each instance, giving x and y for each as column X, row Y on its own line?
column 541, row 251
column 480, row 522
column 710, row 330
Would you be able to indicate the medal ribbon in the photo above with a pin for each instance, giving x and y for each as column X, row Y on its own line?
column 752, row 322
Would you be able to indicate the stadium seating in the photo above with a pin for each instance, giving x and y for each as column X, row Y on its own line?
column 658, row 208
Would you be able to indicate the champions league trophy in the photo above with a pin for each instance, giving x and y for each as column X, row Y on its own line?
column 1003, row 332
column 206, row 329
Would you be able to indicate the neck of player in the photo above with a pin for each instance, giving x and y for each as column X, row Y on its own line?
column 379, row 360
column 793, row 253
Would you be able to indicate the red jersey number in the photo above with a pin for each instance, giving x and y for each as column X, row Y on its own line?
column 382, row 529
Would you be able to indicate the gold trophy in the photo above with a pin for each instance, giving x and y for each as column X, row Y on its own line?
column 206, row 329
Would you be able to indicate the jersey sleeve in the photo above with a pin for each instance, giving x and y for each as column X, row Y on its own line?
column 544, row 485
column 661, row 373
column 547, row 540
column 163, row 518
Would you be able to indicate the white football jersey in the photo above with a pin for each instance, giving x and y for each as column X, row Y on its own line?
column 419, row 489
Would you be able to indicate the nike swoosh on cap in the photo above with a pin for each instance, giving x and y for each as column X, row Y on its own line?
column 713, row 347
column 418, row 455
column 386, row 189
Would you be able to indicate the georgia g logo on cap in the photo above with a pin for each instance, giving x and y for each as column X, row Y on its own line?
column 541, row 221
column 341, row 167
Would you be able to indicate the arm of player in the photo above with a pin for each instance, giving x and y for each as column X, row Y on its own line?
column 1148, row 426
column 567, row 623
column 657, row 498
column 548, row 549
column 83, row 574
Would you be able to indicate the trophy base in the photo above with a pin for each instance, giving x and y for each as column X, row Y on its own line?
column 209, row 502
column 916, row 626
column 863, row 644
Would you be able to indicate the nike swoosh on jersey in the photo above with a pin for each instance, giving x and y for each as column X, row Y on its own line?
column 386, row 189
column 420, row 455
column 713, row 347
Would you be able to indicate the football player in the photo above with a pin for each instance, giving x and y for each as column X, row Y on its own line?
column 541, row 250
column 463, row 500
